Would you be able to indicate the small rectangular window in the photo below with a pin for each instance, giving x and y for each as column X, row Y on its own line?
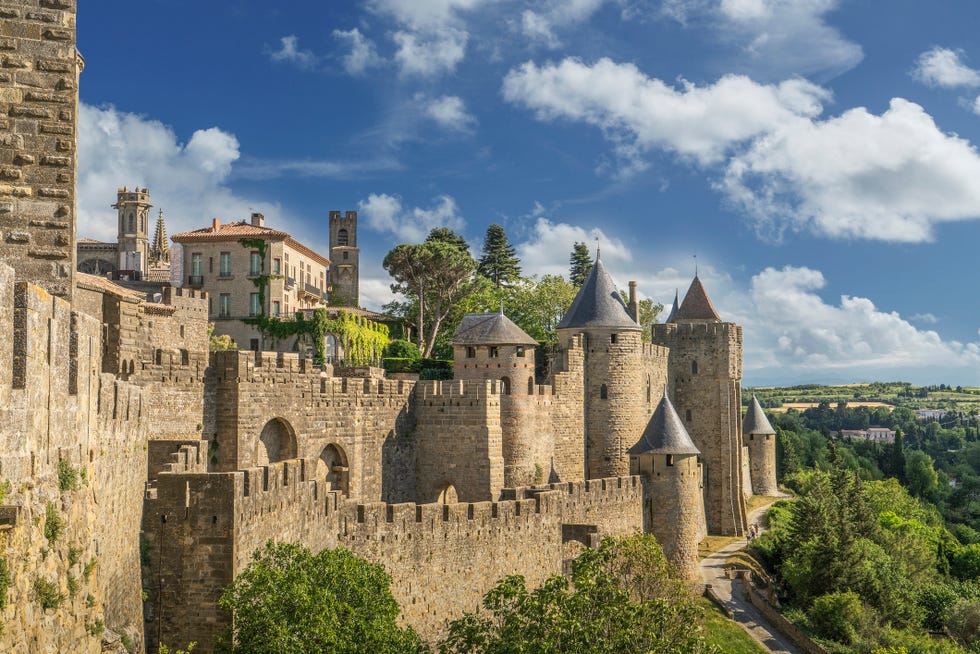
column 224, row 305
column 520, row 351
column 470, row 352
column 197, row 264
column 211, row 265
column 254, row 345
column 224, row 263
column 275, row 266
column 255, row 263
column 275, row 308
column 254, row 308
column 613, row 337
column 493, row 352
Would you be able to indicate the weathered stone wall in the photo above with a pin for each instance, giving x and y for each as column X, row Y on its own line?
column 568, row 411
column 207, row 526
column 528, row 436
column 39, row 70
column 762, row 463
column 458, row 441
column 705, row 371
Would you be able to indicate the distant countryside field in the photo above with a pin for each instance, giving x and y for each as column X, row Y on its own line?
column 893, row 394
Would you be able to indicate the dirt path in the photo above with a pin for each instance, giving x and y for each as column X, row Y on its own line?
column 713, row 572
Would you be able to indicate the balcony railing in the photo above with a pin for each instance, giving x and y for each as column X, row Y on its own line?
column 290, row 282
column 310, row 289
column 195, row 280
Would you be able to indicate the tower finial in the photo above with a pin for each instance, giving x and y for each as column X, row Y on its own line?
column 597, row 248
column 695, row 265
column 501, row 307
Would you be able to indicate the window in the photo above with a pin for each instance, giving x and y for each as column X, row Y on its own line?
column 493, row 352
column 275, row 308
column 254, row 308
column 224, row 263
column 224, row 305
column 613, row 337
column 670, row 459
column 694, row 367
column 342, row 237
column 520, row 351
column 687, row 415
column 132, row 223
column 254, row 344
column 275, row 266
column 211, row 265
column 197, row 268
column 470, row 352
column 530, row 385
column 648, row 388
column 603, row 392
column 255, row 263
column 345, row 255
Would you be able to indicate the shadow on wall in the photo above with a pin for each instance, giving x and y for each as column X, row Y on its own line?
column 277, row 442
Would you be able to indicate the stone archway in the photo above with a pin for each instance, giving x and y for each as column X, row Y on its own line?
column 277, row 442
column 333, row 470
column 448, row 495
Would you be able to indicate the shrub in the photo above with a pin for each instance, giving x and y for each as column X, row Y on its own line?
column 126, row 641
column 89, row 567
column 964, row 623
column 95, row 629
column 73, row 555
column 402, row 349
column 392, row 364
column 4, row 490
column 72, row 585
column 837, row 616
column 5, row 581
column 67, row 476
column 436, row 369
column 54, row 526
column 46, row 594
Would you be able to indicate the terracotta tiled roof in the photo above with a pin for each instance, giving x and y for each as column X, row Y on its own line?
column 755, row 421
column 665, row 433
column 490, row 329
column 697, row 305
column 242, row 229
column 598, row 304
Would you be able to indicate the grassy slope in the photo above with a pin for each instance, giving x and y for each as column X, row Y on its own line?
column 726, row 635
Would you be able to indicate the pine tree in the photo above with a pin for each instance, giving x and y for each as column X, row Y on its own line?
column 581, row 264
column 499, row 262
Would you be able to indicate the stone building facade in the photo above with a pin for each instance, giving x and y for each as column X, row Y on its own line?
column 143, row 470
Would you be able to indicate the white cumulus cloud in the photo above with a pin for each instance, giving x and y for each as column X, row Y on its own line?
column 547, row 249
column 892, row 177
column 187, row 180
column 541, row 24
column 362, row 54
column 638, row 113
column 428, row 54
column 290, row 52
column 945, row 68
column 448, row 111
column 386, row 213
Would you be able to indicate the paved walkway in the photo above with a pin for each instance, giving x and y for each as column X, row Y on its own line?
column 713, row 572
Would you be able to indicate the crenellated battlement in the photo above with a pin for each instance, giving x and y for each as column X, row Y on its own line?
column 654, row 351
column 695, row 329
column 458, row 392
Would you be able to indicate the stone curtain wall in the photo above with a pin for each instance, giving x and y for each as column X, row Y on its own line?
column 57, row 405
column 568, row 412
column 39, row 70
column 712, row 398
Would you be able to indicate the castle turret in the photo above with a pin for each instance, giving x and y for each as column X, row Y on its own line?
column 705, row 372
column 133, row 207
column 614, row 378
column 344, row 255
column 491, row 346
column 666, row 459
column 760, row 438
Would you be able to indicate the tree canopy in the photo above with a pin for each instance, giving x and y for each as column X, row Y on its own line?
column 580, row 263
column 499, row 262
column 291, row 600
column 621, row 598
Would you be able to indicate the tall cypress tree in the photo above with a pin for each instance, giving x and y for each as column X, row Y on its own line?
column 580, row 264
column 499, row 262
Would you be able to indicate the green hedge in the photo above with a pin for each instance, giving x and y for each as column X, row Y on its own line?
column 401, row 364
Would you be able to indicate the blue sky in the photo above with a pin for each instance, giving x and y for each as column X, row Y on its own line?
column 819, row 157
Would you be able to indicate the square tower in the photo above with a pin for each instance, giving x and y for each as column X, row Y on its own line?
column 344, row 265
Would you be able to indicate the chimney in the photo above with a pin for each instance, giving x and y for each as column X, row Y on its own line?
column 215, row 224
column 258, row 220
column 634, row 306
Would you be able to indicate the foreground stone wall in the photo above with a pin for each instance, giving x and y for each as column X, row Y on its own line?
column 203, row 528
column 39, row 70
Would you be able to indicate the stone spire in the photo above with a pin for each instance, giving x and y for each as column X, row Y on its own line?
column 598, row 304
column 696, row 305
column 159, row 250
column 673, row 310
column 755, row 421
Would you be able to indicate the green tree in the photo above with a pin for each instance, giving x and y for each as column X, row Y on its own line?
column 580, row 264
column 499, row 262
column 291, row 600
column 222, row 342
column 921, row 477
column 435, row 275
column 620, row 598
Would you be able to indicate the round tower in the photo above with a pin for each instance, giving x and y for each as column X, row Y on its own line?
column 614, row 378
column 666, row 459
column 705, row 374
column 491, row 346
column 133, row 208
column 760, row 438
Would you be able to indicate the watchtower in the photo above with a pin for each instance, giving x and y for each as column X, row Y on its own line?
column 760, row 438
column 705, row 372
column 133, row 210
column 666, row 459
column 614, row 407
column 344, row 255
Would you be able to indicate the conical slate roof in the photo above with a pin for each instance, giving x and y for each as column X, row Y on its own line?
column 490, row 329
column 755, row 421
column 665, row 433
column 697, row 305
column 673, row 310
column 598, row 304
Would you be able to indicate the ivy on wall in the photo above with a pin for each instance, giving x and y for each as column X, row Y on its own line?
column 363, row 341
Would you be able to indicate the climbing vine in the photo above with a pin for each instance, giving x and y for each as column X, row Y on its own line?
column 362, row 340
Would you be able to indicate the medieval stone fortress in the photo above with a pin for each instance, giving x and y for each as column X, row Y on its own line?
column 140, row 471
